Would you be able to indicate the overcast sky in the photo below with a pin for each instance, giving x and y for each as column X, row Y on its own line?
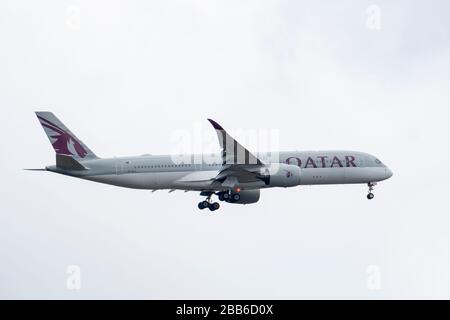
column 124, row 75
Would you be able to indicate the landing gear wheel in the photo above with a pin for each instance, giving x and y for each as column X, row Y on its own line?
column 214, row 206
column 371, row 186
column 236, row 197
column 203, row 205
column 226, row 196
column 221, row 197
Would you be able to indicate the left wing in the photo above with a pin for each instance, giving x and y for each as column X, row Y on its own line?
column 239, row 165
column 233, row 153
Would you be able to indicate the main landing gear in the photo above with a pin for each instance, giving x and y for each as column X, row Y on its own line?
column 371, row 186
column 213, row 206
column 227, row 196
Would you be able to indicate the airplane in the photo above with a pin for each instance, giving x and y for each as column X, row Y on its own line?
column 235, row 175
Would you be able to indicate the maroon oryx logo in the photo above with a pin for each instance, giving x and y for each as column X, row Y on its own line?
column 64, row 142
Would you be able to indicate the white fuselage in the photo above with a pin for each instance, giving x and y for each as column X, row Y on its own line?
column 166, row 172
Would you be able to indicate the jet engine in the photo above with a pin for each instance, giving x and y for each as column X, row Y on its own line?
column 280, row 175
column 247, row 196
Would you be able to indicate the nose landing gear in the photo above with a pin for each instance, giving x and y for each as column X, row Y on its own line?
column 371, row 186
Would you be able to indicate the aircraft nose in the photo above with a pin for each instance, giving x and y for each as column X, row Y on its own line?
column 389, row 173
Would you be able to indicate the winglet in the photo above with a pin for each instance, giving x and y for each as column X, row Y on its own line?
column 215, row 125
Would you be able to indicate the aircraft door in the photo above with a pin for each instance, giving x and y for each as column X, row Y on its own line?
column 123, row 167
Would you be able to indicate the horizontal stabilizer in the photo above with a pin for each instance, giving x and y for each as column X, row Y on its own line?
column 68, row 163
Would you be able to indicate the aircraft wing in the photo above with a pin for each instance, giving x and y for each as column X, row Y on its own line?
column 239, row 165
column 233, row 153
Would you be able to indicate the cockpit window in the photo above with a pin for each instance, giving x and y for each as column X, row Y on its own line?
column 377, row 161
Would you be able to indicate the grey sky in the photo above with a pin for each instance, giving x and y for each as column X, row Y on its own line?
column 123, row 75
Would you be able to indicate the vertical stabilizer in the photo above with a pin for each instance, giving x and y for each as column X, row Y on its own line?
column 64, row 142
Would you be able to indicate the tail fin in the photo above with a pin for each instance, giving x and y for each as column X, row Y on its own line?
column 63, row 140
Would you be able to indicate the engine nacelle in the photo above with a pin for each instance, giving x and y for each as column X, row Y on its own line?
column 248, row 196
column 281, row 175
